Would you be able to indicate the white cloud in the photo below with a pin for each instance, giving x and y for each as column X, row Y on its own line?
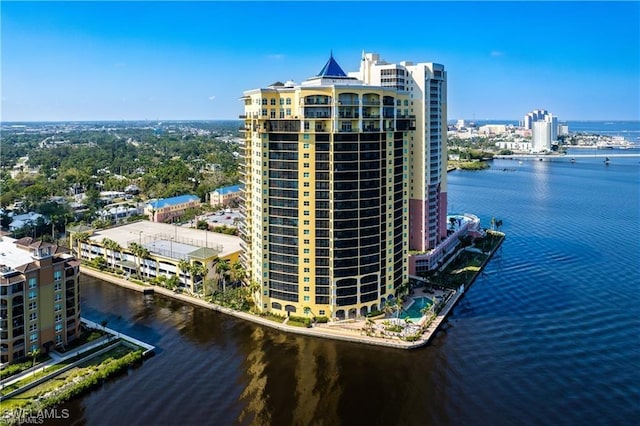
column 119, row 65
column 496, row 53
column 276, row 56
column 212, row 97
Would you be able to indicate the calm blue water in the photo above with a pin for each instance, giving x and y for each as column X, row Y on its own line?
column 549, row 334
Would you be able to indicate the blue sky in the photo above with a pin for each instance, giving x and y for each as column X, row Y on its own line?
column 166, row 60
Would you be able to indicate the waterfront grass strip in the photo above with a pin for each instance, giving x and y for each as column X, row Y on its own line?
column 73, row 382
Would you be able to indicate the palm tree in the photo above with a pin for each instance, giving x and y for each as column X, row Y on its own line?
column 237, row 273
column 222, row 267
column 81, row 237
column 140, row 252
column 34, row 353
column 185, row 266
column 403, row 289
column 388, row 309
column 112, row 245
column 398, row 307
column 198, row 270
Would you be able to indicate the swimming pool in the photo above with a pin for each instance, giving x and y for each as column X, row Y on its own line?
column 414, row 311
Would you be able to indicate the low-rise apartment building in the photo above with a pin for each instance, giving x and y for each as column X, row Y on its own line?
column 167, row 210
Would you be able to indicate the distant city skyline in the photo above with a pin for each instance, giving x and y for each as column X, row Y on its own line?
column 91, row 61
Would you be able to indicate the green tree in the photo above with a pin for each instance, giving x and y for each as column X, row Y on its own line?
column 185, row 267
column 222, row 268
column 81, row 238
column 109, row 244
column 34, row 354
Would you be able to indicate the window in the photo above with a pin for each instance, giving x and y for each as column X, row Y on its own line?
column 306, row 260
column 58, row 328
column 306, row 184
column 321, row 312
column 307, row 270
column 33, row 327
column 306, row 174
column 306, row 299
column 57, row 275
column 306, row 251
column 306, row 241
column 57, row 287
column 288, row 101
column 306, row 145
column 264, row 101
column 58, row 317
column 33, row 305
column 33, row 294
column 33, row 316
column 305, row 165
column 306, row 212
column 306, row 204
column 58, row 339
column 306, row 288
column 306, row 222
column 33, row 282
column 306, row 232
column 57, row 307
column 281, row 101
column 33, row 337
column 273, row 101
column 58, row 297
column 306, row 193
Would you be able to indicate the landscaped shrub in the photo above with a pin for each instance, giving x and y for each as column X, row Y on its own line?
column 374, row 313
column 302, row 320
column 322, row 320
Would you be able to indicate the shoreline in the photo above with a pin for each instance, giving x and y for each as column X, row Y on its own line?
column 327, row 331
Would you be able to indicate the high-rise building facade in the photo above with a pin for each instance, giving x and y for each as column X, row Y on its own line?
column 544, row 129
column 39, row 297
column 325, row 196
column 426, row 87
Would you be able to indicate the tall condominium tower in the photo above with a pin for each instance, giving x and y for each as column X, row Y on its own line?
column 325, row 194
column 426, row 86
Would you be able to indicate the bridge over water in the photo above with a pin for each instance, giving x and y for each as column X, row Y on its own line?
column 552, row 157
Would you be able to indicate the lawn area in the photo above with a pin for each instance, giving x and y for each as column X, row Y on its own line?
column 98, row 366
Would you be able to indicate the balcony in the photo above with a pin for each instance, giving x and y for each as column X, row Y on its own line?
column 371, row 116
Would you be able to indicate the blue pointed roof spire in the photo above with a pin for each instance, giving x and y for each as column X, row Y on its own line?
column 331, row 68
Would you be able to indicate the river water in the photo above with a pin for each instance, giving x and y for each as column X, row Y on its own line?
column 549, row 334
